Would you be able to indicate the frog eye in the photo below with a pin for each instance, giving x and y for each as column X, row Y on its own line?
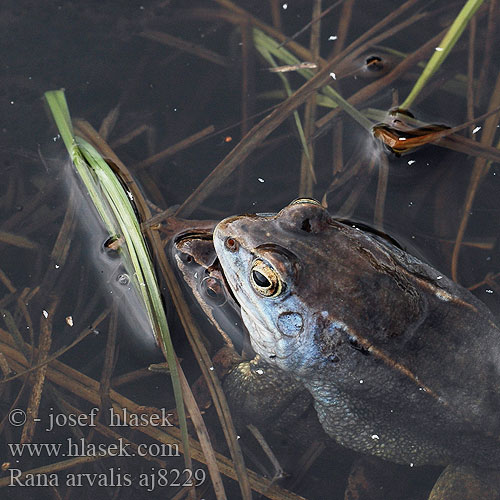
column 213, row 291
column 265, row 279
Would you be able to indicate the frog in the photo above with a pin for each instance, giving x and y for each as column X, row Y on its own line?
column 402, row 363
column 250, row 384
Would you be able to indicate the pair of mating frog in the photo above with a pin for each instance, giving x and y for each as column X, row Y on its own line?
column 401, row 362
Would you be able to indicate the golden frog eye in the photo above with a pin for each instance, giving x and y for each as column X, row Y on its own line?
column 265, row 279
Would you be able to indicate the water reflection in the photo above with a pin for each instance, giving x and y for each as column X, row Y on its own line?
column 148, row 96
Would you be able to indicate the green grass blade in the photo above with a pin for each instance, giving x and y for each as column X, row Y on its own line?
column 59, row 108
column 348, row 108
column 268, row 44
column 448, row 42
column 115, row 208
column 268, row 47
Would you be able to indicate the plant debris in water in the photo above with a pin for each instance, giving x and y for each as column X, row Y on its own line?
column 185, row 95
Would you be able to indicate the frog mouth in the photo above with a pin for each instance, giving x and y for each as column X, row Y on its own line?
column 269, row 354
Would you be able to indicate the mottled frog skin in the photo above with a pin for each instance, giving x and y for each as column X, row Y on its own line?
column 401, row 362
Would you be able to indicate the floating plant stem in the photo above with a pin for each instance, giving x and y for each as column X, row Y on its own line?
column 448, row 42
column 269, row 47
column 300, row 129
column 113, row 203
column 332, row 94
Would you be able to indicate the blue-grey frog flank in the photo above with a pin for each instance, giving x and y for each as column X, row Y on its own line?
column 401, row 362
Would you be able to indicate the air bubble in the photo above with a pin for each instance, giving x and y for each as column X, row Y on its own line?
column 123, row 279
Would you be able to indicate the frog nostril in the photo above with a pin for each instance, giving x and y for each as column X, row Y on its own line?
column 306, row 225
column 231, row 244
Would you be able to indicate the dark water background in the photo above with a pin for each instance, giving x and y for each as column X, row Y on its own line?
column 94, row 50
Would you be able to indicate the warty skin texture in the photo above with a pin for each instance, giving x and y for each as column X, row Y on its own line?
column 401, row 362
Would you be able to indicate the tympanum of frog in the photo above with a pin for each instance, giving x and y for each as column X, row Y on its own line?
column 401, row 362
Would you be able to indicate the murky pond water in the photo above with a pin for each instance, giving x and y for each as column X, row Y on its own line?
column 174, row 88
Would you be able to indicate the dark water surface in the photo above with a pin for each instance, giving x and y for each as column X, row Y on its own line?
column 52, row 261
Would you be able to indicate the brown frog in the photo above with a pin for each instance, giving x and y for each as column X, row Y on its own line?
column 251, row 385
column 401, row 362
